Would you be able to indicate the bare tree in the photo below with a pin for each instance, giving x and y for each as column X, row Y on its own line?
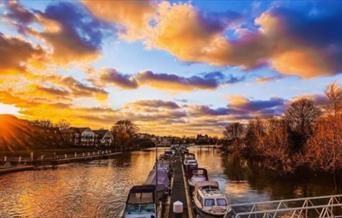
column 300, row 117
column 334, row 95
column 233, row 131
column 255, row 135
column 63, row 124
column 124, row 132
column 43, row 123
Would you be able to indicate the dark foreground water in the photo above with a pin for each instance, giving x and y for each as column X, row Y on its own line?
column 99, row 188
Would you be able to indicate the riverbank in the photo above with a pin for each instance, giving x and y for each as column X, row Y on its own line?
column 48, row 163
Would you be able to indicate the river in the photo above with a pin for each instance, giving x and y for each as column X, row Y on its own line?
column 99, row 188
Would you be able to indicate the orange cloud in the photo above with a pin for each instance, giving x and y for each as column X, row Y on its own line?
column 190, row 35
column 16, row 54
column 133, row 15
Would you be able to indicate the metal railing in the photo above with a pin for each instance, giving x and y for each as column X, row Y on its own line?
column 322, row 206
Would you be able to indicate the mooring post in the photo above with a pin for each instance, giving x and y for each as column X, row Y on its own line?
column 178, row 209
column 31, row 156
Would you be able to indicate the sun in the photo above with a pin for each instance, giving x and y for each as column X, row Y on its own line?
column 9, row 109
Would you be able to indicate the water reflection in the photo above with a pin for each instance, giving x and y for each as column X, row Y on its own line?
column 244, row 181
column 99, row 188
column 94, row 189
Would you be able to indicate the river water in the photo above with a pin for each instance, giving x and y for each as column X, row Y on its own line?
column 99, row 188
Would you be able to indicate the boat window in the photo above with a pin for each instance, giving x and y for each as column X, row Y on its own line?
column 221, row 202
column 138, row 198
column 209, row 202
column 140, row 208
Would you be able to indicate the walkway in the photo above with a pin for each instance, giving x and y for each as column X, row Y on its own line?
column 179, row 189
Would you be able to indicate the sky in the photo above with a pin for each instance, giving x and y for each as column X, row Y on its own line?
column 172, row 67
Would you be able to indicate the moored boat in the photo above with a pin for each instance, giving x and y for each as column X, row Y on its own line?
column 190, row 165
column 197, row 175
column 163, row 172
column 141, row 203
column 209, row 200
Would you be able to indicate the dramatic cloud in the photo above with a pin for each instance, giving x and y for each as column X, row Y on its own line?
column 132, row 15
column 172, row 82
column 72, row 33
column 203, row 109
column 290, row 41
column 287, row 40
column 107, row 77
column 188, row 34
column 272, row 107
column 155, row 104
column 16, row 54
column 48, row 89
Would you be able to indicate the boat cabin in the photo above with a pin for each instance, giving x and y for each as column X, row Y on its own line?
column 141, row 202
column 197, row 175
column 209, row 199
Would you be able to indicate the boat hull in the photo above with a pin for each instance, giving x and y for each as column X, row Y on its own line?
column 204, row 214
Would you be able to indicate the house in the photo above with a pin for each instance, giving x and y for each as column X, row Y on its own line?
column 103, row 138
column 79, row 136
column 87, row 137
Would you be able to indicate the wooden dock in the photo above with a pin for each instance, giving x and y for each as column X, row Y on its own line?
column 179, row 189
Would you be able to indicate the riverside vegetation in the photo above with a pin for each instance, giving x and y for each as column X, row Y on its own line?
column 307, row 136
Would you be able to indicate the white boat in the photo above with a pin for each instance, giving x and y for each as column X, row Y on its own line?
column 141, row 203
column 209, row 200
column 190, row 164
column 197, row 175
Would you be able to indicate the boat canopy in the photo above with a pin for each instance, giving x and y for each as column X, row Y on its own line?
column 142, row 188
column 189, row 156
column 199, row 172
column 142, row 194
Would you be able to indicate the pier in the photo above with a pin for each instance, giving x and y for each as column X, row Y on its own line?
column 179, row 189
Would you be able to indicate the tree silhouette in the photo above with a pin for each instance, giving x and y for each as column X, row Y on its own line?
column 124, row 132
column 300, row 117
